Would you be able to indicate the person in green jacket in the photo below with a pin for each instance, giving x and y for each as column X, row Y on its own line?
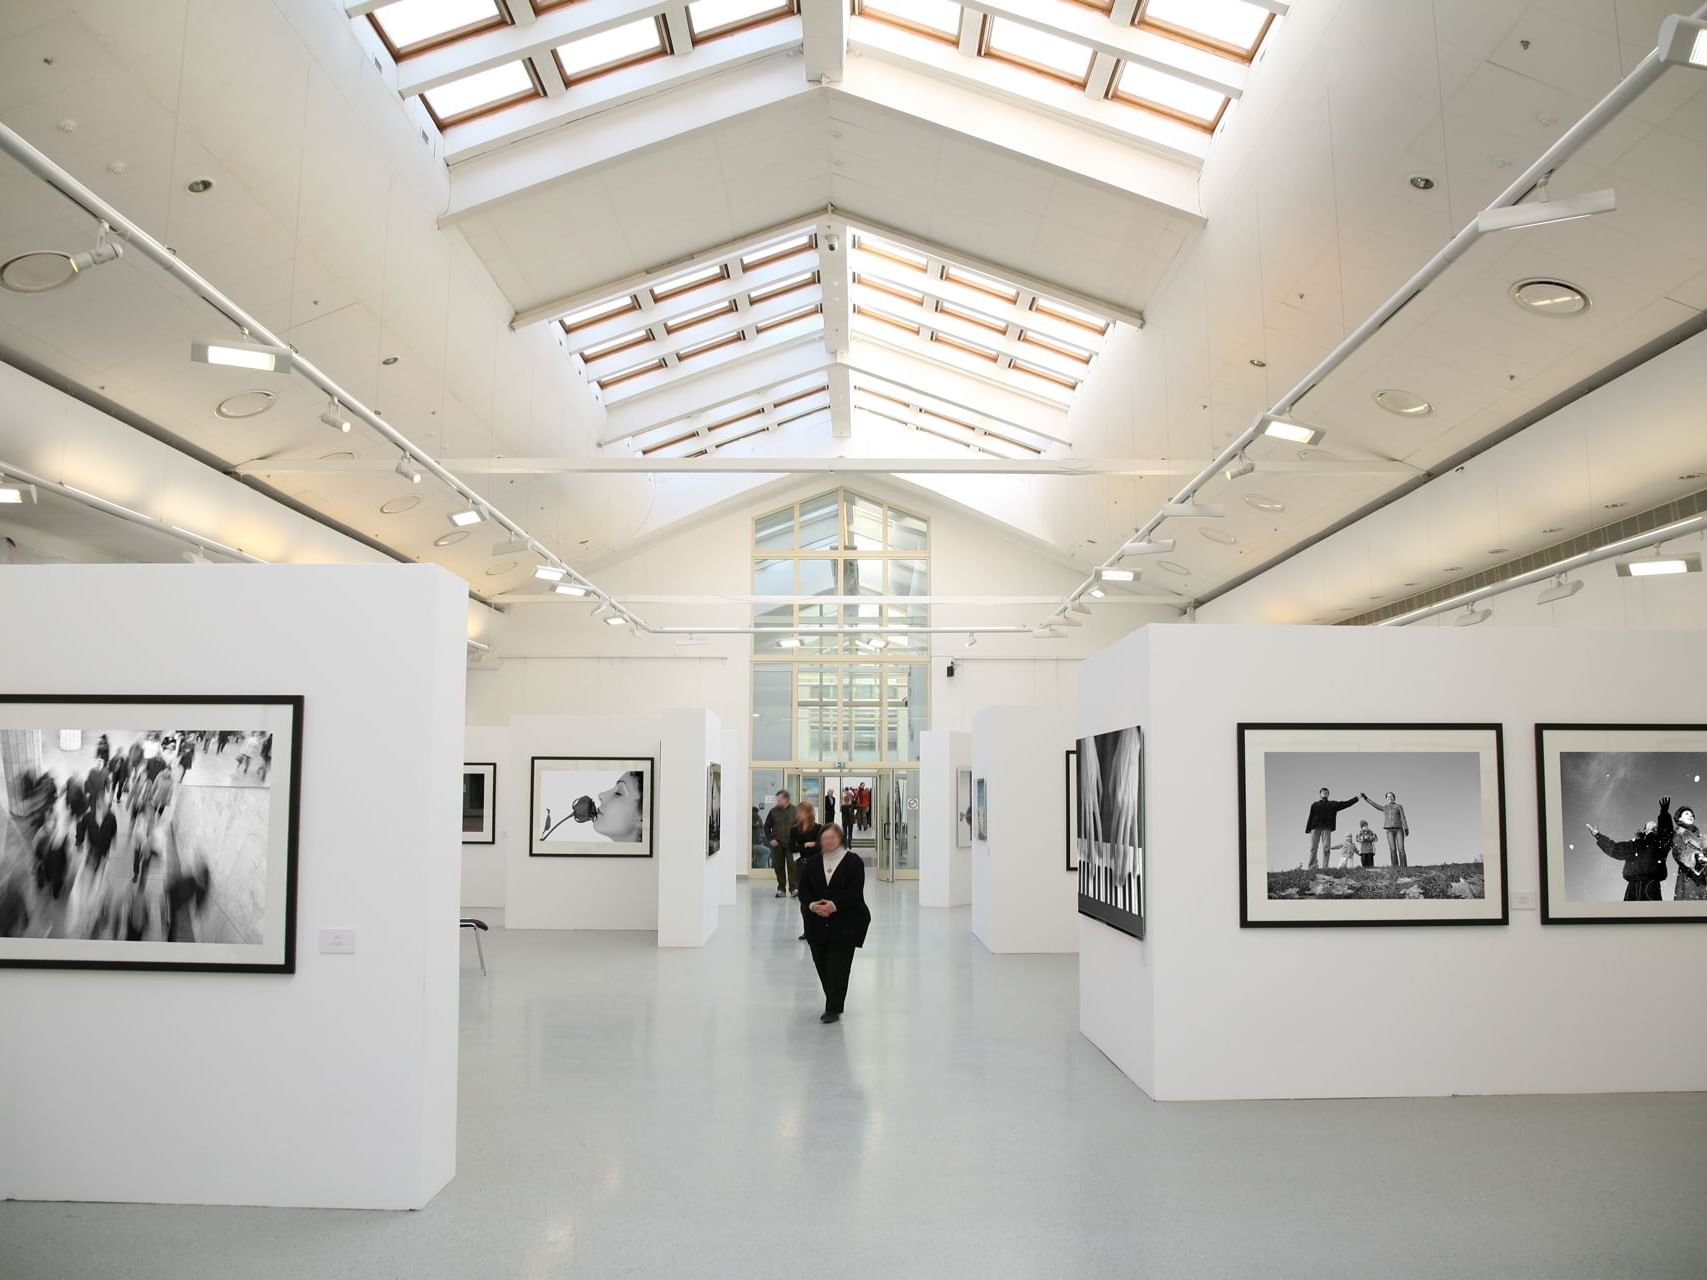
column 1393, row 819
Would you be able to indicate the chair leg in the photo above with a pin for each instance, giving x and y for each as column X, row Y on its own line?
column 480, row 951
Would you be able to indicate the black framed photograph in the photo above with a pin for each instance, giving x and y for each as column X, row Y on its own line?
column 980, row 811
column 1620, row 839
column 479, row 803
column 1371, row 824
column 149, row 832
column 591, row 807
column 713, row 809
column 1070, row 825
column 963, row 808
column 1110, row 804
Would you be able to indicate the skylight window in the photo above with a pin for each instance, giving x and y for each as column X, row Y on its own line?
column 627, row 342
column 970, row 348
column 971, row 317
column 1033, row 338
column 886, row 317
column 1227, row 26
column 1071, row 315
column 612, row 50
column 777, row 250
column 939, row 19
column 609, row 309
column 728, row 339
column 983, row 284
column 700, row 315
column 899, row 254
column 1159, row 91
column 413, row 26
column 1040, row 51
column 1047, row 375
column 896, row 291
column 777, row 322
column 484, row 91
column 633, row 371
column 689, row 281
column 708, row 19
column 805, row 280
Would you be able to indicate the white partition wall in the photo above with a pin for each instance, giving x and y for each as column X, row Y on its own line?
column 210, row 1088
column 1204, row 1009
column 1023, row 896
column 575, row 892
column 687, row 878
column 483, row 864
column 945, row 869
column 737, row 782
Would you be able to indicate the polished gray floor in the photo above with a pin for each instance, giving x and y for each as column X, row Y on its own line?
column 632, row 1112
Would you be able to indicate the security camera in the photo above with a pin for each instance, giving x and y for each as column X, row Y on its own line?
column 951, row 668
column 833, row 243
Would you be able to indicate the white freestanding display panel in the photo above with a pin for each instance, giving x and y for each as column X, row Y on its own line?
column 1023, row 897
column 334, row 1086
column 1203, row 1009
column 945, row 869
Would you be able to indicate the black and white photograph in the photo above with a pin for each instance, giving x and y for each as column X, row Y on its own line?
column 1620, row 839
column 1110, row 803
column 479, row 802
column 980, row 811
column 1371, row 824
column 963, row 808
column 1070, row 825
column 148, row 834
column 591, row 807
column 713, row 809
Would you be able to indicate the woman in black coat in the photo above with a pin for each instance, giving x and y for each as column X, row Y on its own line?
column 832, row 903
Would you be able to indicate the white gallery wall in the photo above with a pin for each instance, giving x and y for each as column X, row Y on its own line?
column 691, row 740
column 1023, row 897
column 334, row 1086
column 1418, row 1010
column 483, row 868
column 945, row 869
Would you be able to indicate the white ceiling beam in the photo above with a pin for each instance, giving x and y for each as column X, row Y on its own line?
column 868, row 265
column 841, row 400
column 537, row 116
column 988, row 375
column 703, row 447
column 616, row 464
column 521, row 13
column 825, row 24
column 955, row 432
column 662, row 313
column 717, row 386
column 510, row 165
column 1034, row 96
column 361, row 8
column 953, row 390
column 875, row 395
column 671, row 343
column 542, row 596
column 965, row 330
column 508, row 44
column 682, row 375
column 838, row 293
column 1129, row 44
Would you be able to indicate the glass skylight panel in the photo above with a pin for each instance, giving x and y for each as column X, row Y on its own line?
column 633, row 371
column 778, row 321
column 707, row 18
column 700, row 315
column 1180, row 97
column 728, row 339
column 1039, row 50
column 982, row 283
column 886, row 318
column 777, row 250
column 899, row 292
column 609, row 309
column 689, row 281
column 1234, row 25
column 1059, row 347
column 940, row 18
column 788, row 284
column 461, row 98
column 896, row 253
column 971, row 317
column 626, row 342
column 960, row 344
column 618, row 47
column 410, row 24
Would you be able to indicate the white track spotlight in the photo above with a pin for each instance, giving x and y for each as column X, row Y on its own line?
column 1152, row 547
column 1193, row 511
column 1239, row 468
column 1472, row 616
column 512, row 547
column 1563, row 588
column 616, row 620
column 466, row 518
column 12, row 493
column 333, row 417
column 1079, row 606
column 408, row 470
column 1066, row 620
column 689, row 642
column 1119, row 575
column 1545, row 212
column 1683, row 41
column 1292, row 432
column 572, row 589
column 1046, row 632
column 1659, row 566
column 42, row 270
column 257, row 356
column 549, row 573
column 971, row 640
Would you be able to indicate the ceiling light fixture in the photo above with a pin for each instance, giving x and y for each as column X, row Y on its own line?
column 1292, row 432
column 1096, row 593
column 333, row 417
column 1555, row 299
column 1545, row 212
column 1121, row 575
column 466, row 518
column 408, row 470
column 450, row 539
column 257, row 356
column 549, row 573
column 513, row 547
column 1407, row 404
column 1192, row 511
column 1218, row 535
column 1079, row 606
column 971, row 640
column 43, row 270
column 245, row 404
column 1563, row 588
column 397, row 506
column 12, row 494
column 1151, row 547
column 1422, row 182
column 616, row 620
column 1472, row 616
column 1260, row 503
column 1683, row 41
column 574, row 589
column 1239, row 467
column 1659, row 566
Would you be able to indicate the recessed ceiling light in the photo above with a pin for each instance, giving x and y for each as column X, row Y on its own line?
column 1407, row 404
column 1422, row 182
column 1117, row 575
column 1258, row 362
column 43, row 270
column 500, row 569
column 199, row 186
column 399, row 505
column 1555, row 298
column 246, row 404
column 450, row 539
column 389, row 360
column 1172, row 566
column 1218, row 535
column 1261, row 503
column 1612, row 506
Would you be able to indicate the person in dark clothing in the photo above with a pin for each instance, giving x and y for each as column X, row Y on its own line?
column 803, row 838
column 832, row 905
column 1689, row 851
column 1324, row 817
column 100, row 829
column 103, row 749
column 1644, row 857
column 779, row 826
column 830, row 806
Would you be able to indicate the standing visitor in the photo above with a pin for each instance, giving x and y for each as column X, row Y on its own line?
column 832, row 904
column 779, row 825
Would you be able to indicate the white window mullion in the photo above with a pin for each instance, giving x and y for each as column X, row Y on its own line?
column 681, row 34
column 1101, row 78
column 549, row 77
column 971, row 31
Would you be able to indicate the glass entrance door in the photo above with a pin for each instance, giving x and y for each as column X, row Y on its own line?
column 900, row 826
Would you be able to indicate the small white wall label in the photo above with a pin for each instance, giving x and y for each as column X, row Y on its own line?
column 337, row 942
